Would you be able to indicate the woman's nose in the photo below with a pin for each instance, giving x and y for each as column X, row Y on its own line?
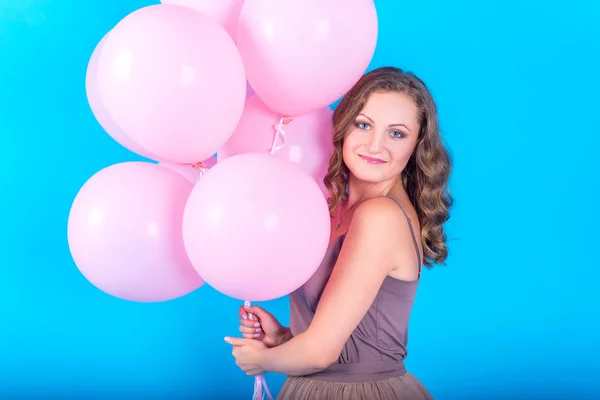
column 376, row 142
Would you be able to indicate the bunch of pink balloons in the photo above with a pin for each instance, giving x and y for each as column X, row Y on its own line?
column 249, row 80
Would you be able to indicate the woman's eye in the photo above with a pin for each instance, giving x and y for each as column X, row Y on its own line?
column 396, row 134
column 362, row 125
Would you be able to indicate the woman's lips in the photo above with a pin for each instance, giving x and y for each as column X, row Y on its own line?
column 372, row 160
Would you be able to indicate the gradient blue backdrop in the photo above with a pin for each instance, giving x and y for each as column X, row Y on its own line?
column 514, row 314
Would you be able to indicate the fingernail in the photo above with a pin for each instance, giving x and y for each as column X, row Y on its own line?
column 256, row 325
column 258, row 329
column 244, row 316
column 247, row 307
column 257, row 335
column 227, row 338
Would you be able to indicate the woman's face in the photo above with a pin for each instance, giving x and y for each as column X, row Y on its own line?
column 379, row 144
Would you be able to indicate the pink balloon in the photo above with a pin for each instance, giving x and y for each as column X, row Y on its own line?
column 225, row 12
column 187, row 171
column 124, row 233
column 256, row 227
column 307, row 141
column 100, row 112
column 174, row 81
column 301, row 55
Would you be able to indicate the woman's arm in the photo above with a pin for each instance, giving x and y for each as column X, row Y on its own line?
column 368, row 255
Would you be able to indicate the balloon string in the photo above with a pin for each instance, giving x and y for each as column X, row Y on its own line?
column 260, row 384
column 279, row 139
column 264, row 384
column 257, row 390
column 200, row 167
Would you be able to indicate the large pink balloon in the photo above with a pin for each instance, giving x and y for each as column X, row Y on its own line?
column 301, row 55
column 224, row 12
column 307, row 139
column 256, row 227
column 100, row 112
column 173, row 80
column 125, row 236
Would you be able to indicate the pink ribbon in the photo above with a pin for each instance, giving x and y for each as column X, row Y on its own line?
column 279, row 139
column 200, row 167
column 260, row 384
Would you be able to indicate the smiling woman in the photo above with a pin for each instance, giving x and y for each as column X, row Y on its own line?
column 378, row 140
column 388, row 180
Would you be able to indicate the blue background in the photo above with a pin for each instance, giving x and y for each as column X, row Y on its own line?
column 514, row 314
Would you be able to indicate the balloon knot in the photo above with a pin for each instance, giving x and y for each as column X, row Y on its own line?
column 279, row 138
column 200, row 166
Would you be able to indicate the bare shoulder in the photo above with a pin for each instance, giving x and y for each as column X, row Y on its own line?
column 378, row 214
column 382, row 220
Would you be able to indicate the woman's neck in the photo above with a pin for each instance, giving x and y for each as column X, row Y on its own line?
column 360, row 190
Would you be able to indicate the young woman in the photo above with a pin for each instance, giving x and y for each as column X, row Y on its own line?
column 388, row 178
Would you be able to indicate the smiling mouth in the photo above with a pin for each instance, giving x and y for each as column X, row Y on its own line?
column 372, row 160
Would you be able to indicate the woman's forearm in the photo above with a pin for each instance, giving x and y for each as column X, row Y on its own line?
column 297, row 356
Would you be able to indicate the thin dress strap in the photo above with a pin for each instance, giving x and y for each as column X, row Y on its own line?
column 412, row 232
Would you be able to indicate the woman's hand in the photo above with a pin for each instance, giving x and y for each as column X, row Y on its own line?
column 257, row 323
column 247, row 353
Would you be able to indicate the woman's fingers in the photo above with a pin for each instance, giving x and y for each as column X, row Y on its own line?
column 251, row 332
column 249, row 325
column 246, row 315
column 246, row 321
